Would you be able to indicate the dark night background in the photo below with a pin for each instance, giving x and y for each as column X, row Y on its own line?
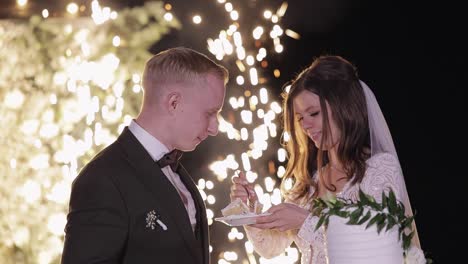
column 412, row 56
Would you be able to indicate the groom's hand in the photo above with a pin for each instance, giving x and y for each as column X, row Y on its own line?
column 284, row 217
column 242, row 189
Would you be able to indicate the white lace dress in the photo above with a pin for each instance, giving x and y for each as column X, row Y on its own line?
column 383, row 173
column 354, row 244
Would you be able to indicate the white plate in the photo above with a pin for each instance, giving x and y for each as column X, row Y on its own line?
column 238, row 220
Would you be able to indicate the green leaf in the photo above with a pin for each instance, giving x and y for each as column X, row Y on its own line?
column 357, row 212
column 392, row 203
column 343, row 214
column 317, row 211
column 363, row 197
column 407, row 222
column 354, row 216
column 384, row 200
column 407, row 240
column 339, row 204
column 374, row 205
column 372, row 221
column 381, row 223
column 319, row 202
column 316, row 202
column 328, row 204
column 391, row 222
column 320, row 222
column 401, row 211
column 365, row 218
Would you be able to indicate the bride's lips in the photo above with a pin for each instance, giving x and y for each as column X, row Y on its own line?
column 315, row 136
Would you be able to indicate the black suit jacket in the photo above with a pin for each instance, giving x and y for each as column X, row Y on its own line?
column 110, row 205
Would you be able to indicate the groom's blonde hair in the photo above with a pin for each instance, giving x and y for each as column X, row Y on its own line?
column 179, row 65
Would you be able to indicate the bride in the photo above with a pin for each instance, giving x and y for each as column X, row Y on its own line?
column 339, row 143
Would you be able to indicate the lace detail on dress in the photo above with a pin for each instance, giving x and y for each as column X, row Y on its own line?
column 271, row 243
column 315, row 239
column 383, row 173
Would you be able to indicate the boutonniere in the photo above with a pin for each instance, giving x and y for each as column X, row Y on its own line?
column 152, row 218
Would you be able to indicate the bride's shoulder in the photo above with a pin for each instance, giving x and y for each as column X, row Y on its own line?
column 382, row 168
column 383, row 171
column 383, row 159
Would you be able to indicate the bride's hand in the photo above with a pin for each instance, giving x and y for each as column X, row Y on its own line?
column 242, row 189
column 285, row 216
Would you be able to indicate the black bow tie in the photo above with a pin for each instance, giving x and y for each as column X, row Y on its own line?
column 170, row 159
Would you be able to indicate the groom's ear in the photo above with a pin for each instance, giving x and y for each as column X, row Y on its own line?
column 173, row 102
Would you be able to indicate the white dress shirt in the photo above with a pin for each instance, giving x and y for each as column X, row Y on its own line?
column 156, row 149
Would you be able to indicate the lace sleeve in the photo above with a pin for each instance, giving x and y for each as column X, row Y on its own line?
column 313, row 240
column 269, row 243
column 383, row 174
column 308, row 232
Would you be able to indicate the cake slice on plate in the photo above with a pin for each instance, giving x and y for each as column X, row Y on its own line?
column 237, row 207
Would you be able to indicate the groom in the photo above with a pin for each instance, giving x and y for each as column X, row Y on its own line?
column 133, row 203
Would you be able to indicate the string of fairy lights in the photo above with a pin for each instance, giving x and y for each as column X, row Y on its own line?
column 253, row 119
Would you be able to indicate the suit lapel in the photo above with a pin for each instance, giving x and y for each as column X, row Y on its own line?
column 202, row 222
column 156, row 181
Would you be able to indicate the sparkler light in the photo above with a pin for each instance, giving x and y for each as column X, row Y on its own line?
column 253, row 114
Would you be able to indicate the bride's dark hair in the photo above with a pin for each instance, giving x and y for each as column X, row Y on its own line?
column 335, row 81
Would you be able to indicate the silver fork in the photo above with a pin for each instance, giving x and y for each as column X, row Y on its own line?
column 249, row 199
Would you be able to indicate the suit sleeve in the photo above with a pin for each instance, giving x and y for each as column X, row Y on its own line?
column 96, row 230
